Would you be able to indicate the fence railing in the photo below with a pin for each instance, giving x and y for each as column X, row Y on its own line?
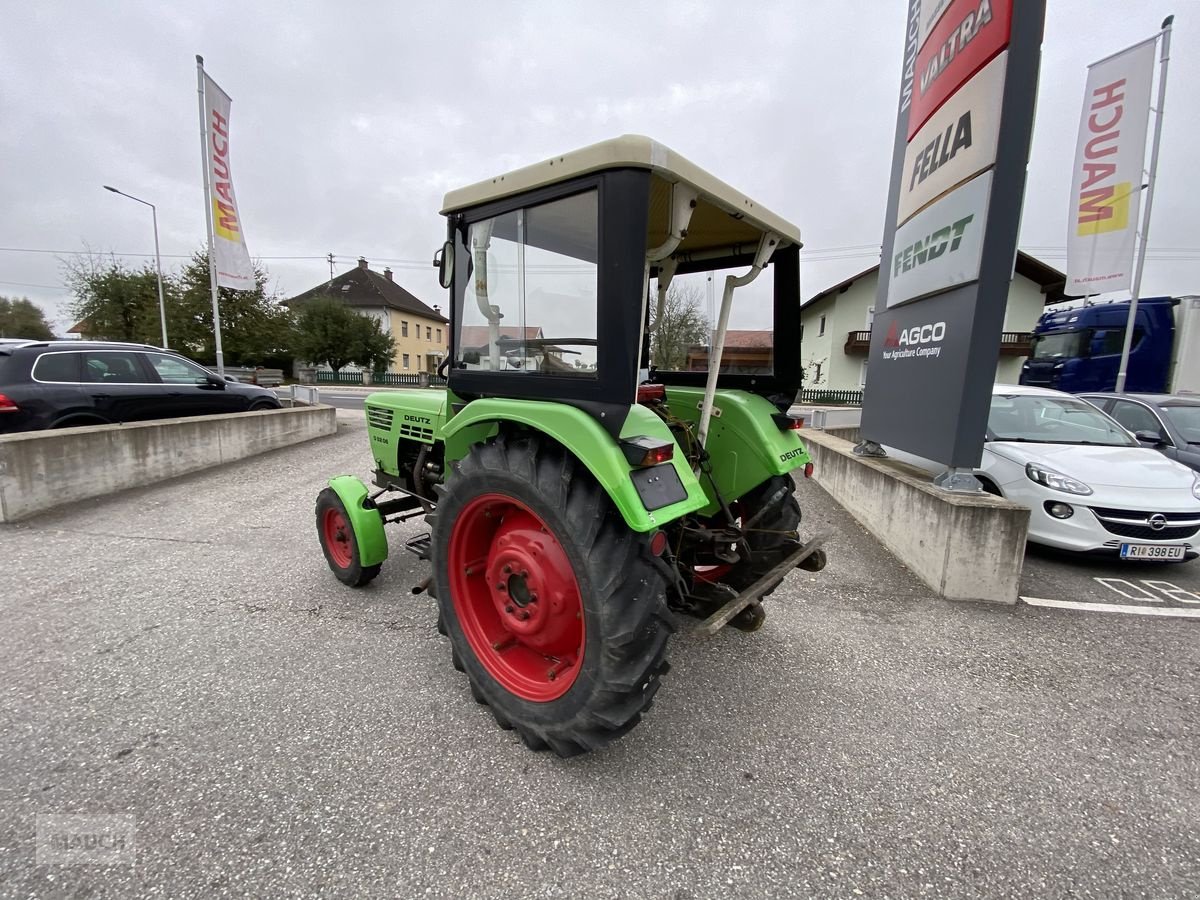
column 339, row 377
column 831, row 397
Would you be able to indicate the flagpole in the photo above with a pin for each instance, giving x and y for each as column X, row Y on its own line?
column 1141, row 254
column 208, row 216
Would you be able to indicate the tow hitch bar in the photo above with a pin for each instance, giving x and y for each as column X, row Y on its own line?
column 810, row 553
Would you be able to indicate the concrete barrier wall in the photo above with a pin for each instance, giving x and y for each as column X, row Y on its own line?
column 43, row 469
column 964, row 546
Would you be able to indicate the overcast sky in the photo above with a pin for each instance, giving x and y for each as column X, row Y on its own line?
column 351, row 120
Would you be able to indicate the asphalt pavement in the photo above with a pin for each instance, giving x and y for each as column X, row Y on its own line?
column 180, row 655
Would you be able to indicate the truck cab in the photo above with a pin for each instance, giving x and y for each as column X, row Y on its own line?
column 1077, row 350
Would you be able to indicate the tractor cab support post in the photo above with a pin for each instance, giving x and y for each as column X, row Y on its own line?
column 491, row 313
column 683, row 201
column 766, row 246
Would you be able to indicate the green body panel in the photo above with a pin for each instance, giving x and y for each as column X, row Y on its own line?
column 417, row 414
column 588, row 442
column 744, row 443
column 367, row 523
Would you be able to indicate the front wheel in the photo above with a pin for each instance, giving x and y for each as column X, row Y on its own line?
column 552, row 605
column 338, row 542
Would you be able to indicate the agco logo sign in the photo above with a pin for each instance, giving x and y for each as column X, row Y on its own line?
column 919, row 340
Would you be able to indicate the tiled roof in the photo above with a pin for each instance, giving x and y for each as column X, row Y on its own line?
column 361, row 287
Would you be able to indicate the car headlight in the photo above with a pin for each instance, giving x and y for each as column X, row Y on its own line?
column 1196, row 486
column 1057, row 481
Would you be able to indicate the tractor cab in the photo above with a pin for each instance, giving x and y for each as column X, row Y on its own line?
column 606, row 464
column 560, row 275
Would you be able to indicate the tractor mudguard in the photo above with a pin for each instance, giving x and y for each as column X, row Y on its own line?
column 745, row 443
column 589, row 443
column 367, row 523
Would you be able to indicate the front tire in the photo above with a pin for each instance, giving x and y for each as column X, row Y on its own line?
column 552, row 606
column 338, row 542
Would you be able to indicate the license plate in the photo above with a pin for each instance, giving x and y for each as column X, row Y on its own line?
column 1152, row 551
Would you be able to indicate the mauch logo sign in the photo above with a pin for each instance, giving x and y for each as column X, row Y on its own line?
column 966, row 38
column 958, row 141
column 921, row 341
column 940, row 246
column 1106, row 186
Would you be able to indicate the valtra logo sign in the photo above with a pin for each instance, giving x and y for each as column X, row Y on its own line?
column 921, row 341
column 965, row 39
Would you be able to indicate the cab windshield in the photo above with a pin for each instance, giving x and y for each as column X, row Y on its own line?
column 1058, row 344
column 1052, row 420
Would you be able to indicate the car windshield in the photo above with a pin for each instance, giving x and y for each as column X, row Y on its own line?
column 1058, row 344
column 1186, row 419
column 1052, row 420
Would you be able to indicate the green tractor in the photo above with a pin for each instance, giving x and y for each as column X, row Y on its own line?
column 584, row 503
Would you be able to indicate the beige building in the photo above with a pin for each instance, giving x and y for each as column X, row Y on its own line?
column 421, row 332
column 837, row 325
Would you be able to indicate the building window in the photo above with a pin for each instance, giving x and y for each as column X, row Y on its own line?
column 428, row 333
column 870, row 317
column 862, row 375
column 821, row 327
column 403, row 328
column 439, row 331
column 404, row 360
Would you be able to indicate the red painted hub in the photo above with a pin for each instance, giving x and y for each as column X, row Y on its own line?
column 516, row 597
column 335, row 531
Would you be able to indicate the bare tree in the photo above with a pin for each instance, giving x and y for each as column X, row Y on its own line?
column 683, row 325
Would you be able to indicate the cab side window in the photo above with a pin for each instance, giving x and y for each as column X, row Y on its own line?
column 112, row 367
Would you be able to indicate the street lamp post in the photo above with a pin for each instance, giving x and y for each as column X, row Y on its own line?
column 162, row 306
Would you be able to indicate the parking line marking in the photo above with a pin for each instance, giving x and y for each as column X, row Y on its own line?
column 1114, row 607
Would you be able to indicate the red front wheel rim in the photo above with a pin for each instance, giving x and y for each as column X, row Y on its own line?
column 516, row 597
column 335, row 531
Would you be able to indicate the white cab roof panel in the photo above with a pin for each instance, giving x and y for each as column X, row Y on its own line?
column 723, row 217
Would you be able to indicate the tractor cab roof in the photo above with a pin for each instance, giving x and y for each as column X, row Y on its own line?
column 722, row 219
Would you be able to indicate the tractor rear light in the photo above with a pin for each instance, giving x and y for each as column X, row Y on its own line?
column 647, row 451
column 788, row 423
column 808, row 470
column 649, row 393
column 7, row 405
column 658, row 543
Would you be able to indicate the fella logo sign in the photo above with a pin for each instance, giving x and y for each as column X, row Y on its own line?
column 919, row 341
column 958, row 141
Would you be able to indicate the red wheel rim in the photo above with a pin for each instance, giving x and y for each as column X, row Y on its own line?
column 516, row 597
column 335, row 532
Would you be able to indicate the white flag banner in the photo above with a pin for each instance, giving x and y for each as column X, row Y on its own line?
column 1107, row 183
column 234, row 269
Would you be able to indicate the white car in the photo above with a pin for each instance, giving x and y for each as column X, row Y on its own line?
column 1088, row 483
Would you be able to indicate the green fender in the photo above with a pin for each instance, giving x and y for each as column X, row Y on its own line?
column 367, row 523
column 589, row 443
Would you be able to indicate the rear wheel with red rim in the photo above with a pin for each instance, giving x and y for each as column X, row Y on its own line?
column 553, row 607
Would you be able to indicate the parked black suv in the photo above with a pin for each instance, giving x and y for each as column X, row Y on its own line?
column 63, row 384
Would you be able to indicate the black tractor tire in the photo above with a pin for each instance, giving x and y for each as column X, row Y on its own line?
column 617, row 657
column 773, row 516
column 338, row 542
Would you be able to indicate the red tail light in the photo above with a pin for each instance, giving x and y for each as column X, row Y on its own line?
column 658, row 543
column 808, row 470
column 651, row 392
column 7, row 405
column 647, row 451
column 788, row 423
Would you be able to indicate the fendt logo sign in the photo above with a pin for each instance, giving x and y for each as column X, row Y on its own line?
column 919, row 340
column 941, row 245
